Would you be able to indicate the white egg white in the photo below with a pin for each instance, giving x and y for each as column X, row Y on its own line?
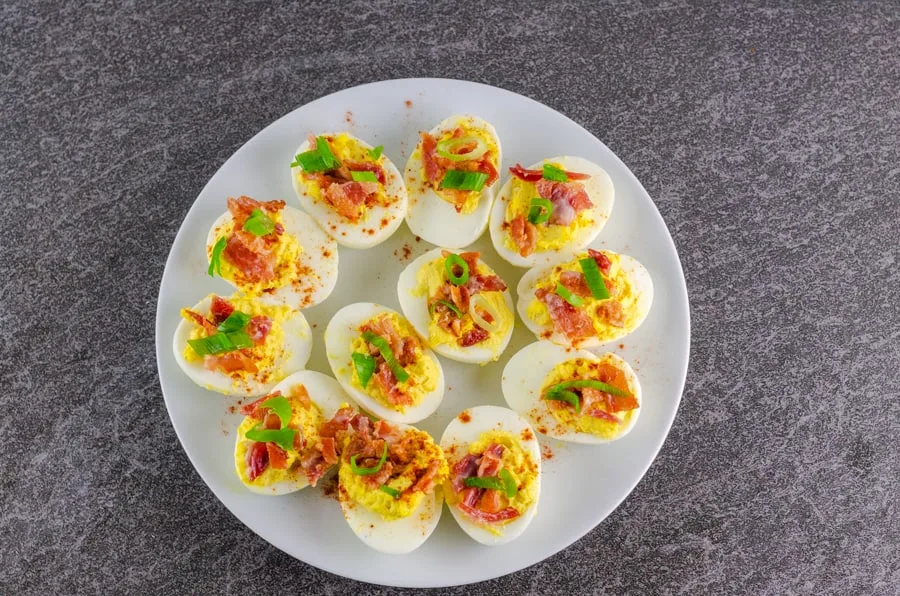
column 326, row 394
column 369, row 231
column 433, row 218
column 292, row 357
column 599, row 188
column 397, row 536
column 415, row 309
column 524, row 376
column 319, row 256
column 641, row 284
column 457, row 438
column 342, row 331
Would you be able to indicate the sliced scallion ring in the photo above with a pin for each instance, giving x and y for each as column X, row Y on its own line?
column 450, row 264
column 540, row 211
column 369, row 471
column 449, row 148
column 479, row 301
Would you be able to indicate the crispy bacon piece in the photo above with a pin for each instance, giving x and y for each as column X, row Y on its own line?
column 473, row 336
column 220, row 309
column 490, row 461
column 425, row 482
column 347, row 198
column 382, row 326
column 460, row 297
column 385, row 379
column 329, row 453
column 272, row 421
column 277, row 456
column 464, row 468
column 429, row 158
column 490, row 501
column 485, row 283
column 242, row 207
column 256, row 264
column 300, row 393
column 257, row 460
column 575, row 283
column 612, row 312
column 567, row 319
column 199, row 319
column 535, row 175
column 602, row 260
column 469, row 496
column 314, row 466
column 339, row 422
column 490, row 518
column 598, row 413
column 524, row 234
column 487, row 167
column 231, row 362
column 258, row 328
column 253, row 409
column 386, row 430
column 568, row 198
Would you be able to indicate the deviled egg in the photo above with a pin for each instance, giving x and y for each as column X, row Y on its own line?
column 240, row 345
column 278, row 449
column 451, row 176
column 495, row 473
column 572, row 395
column 455, row 301
column 559, row 204
column 350, row 188
column 389, row 486
column 378, row 358
column 587, row 299
column 268, row 250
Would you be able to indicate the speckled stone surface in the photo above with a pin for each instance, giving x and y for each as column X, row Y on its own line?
column 768, row 135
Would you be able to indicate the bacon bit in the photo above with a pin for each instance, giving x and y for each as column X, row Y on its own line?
column 231, row 362
column 524, row 235
column 432, row 169
column 490, row 501
column 486, row 166
column 534, row 175
column 603, row 262
column 482, row 516
column 603, row 415
column 255, row 265
column 220, row 309
column 471, row 259
column 385, row 379
column 386, row 431
column 257, row 460
column 460, row 296
column 464, row 468
column 277, row 456
column 546, row 452
column 347, row 198
column 200, row 320
column 425, row 483
column 469, row 496
column 485, row 283
column 567, row 319
column 258, row 328
column 299, row 441
column 272, row 421
column 568, row 198
column 473, row 336
column 490, row 461
column 340, row 421
column 575, row 283
column 300, row 393
column 252, row 409
column 314, row 466
column 612, row 312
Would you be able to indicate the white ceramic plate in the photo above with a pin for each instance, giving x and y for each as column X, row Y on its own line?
column 308, row 525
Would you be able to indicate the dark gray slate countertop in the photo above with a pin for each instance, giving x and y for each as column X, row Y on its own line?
column 768, row 135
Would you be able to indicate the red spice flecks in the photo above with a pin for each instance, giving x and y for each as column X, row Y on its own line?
column 418, row 239
column 232, row 409
column 348, row 117
column 465, row 417
column 408, row 103
column 621, row 346
column 542, row 430
column 546, row 453
column 527, row 435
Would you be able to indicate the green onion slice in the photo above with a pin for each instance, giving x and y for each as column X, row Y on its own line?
column 566, row 396
column 388, row 355
column 364, row 176
column 448, row 304
column 259, row 224
column 375, row 152
column 284, row 438
column 582, row 383
column 281, row 407
column 215, row 262
column 551, row 172
column 485, row 482
column 236, row 321
column 509, row 483
column 220, row 343
column 448, row 148
column 310, row 161
column 540, row 210
column 450, row 264
column 568, row 296
column 594, row 279
column 368, row 471
column 365, row 366
column 325, row 153
column 462, row 180
column 391, row 491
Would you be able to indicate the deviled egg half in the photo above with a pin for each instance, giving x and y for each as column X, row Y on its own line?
column 279, row 449
column 350, row 188
column 572, row 395
column 240, row 345
column 389, row 486
column 457, row 302
column 586, row 299
column 451, row 176
column 378, row 358
column 558, row 204
column 268, row 250
column 495, row 473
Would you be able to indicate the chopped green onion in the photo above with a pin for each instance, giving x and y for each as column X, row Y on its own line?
column 259, row 224
column 462, row 180
column 388, row 355
column 568, row 296
column 451, row 263
column 375, row 152
column 215, row 263
column 540, row 210
column 236, row 321
column 551, row 172
column 310, row 161
column 365, row 366
column 284, row 438
column 219, row 343
column 582, row 383
column 324, row 151
column 365, row 176
column 368, row 471
column 448, row 304
column 281, row 407
column 391, row 491
column 594, row 279
column 567, row 396
column 485, row 482
column 509, row 483
column 449, row 147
